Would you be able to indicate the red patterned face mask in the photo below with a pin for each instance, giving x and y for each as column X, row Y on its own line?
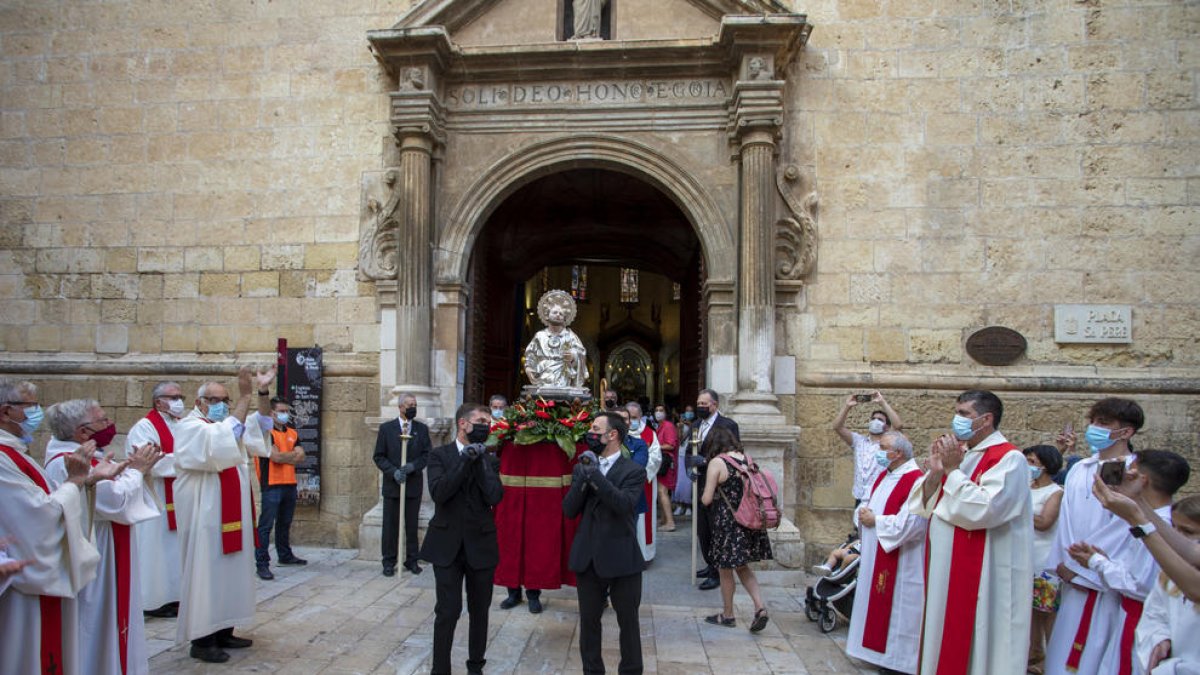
column 105, row 435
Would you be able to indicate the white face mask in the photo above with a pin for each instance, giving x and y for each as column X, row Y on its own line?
column 875, row 426
column 660, row 415
column 175, row 407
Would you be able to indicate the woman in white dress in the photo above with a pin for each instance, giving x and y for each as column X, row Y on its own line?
column 1044, row 461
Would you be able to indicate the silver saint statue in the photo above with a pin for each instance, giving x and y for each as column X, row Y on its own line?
column 587, row 18
column 556, row 357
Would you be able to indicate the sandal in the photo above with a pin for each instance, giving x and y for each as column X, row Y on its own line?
column 760, row 620
column 721, row 620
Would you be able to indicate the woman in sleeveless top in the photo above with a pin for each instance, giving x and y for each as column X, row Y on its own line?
column 732, row 547
column 1044, row 462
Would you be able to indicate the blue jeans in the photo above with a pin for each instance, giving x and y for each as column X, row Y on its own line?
column 278, row 507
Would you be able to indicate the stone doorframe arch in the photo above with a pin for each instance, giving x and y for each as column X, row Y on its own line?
column 525, row 164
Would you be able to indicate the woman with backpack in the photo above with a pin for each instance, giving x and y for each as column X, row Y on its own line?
column 733, row 545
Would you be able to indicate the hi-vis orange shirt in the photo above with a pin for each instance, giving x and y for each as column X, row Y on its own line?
column 279, row 474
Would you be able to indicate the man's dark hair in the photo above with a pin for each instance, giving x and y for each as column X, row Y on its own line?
column 712, row 393
column 277, row 400
column 1166, row 470
column 616, row 423
column 984, row 402
column 500, row 397
column 1049, row 456
column 887, row 418
column 1123, row 411
column 464, row 411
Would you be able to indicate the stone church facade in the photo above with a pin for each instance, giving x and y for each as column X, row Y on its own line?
column 844, row 192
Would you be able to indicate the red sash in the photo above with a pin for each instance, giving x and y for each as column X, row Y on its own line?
column 51, row 606
column 1133, row 614
column 883, row 574
column 166, row 441
column 121, row 547
column 231, row 511
column 1081, row 633
column 962, row 588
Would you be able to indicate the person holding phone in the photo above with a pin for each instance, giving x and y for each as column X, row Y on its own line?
column 1112, row 422
column 883, row 420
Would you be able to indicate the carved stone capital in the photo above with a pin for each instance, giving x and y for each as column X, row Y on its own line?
column 757, row 106
column 796, row 234
column 418, row 112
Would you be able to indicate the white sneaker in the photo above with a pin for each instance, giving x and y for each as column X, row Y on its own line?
column 678, row 510
column 822, row 570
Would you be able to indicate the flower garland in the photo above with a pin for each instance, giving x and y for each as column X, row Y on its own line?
column 537, row 420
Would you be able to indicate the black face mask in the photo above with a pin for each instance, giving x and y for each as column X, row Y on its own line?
column 478, row 433
column 410, row 413
column 703, row 413
column 594, row 443
column 610, row 403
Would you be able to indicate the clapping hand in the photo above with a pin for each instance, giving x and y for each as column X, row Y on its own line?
column 590, row 463
column 1081, row 552
column 945, row 454
column 474, row 451
column 265, row 378
column 145, row 457
column 866, row 516
column 106, row 470
column 245, row 381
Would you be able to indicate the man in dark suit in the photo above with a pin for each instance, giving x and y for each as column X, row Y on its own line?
column 605, row 555
column 387, row 458
column 464, row 482
column 708, row 403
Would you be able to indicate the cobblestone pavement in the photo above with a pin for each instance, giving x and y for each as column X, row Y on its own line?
column 339, row 615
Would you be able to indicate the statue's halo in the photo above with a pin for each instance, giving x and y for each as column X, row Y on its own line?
column 556, row 297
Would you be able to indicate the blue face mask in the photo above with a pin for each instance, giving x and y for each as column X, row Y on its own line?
column 881, row 458
column 282, row 418
column 33, row 420
column 689, row 415
column 218, row 411
column 1035, row 472
column 962, row 427
column 1098, row 438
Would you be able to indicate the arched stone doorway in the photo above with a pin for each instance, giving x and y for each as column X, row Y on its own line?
column 592, row 222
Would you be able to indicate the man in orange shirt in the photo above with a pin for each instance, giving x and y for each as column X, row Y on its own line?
column 277, row 478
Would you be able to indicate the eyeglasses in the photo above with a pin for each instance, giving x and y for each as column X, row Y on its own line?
column 213, row 400
column 103, row 420
column 23, row 404
column 172, row 397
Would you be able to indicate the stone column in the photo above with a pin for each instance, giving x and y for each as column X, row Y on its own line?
column 756, row 125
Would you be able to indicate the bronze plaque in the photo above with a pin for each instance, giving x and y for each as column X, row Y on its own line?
column 996, row 346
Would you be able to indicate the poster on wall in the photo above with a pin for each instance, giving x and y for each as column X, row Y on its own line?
column 303, row 385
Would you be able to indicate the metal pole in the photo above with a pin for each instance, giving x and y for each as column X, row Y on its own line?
column 695, row 443
column 403, row 503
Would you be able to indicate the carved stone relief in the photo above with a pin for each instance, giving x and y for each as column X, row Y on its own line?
column 795, row 235
column 378, row 245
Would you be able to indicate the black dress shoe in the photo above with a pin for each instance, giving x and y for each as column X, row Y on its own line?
column 389, row 570
column 233, row 642
column 293, row 561
column 511, row 601
column 709, row 584
column 535, row 604
column 706, row 572
column 265, row 574
column 209, row 654
column 167, row 611
column 412, row 567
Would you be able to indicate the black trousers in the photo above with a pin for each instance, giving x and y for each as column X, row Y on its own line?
column 448, row 608
column 626, row 595
column 703, row 530
column 391, row 528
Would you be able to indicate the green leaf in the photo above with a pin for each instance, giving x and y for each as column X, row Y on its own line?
column 565, row 443
column 529, row 437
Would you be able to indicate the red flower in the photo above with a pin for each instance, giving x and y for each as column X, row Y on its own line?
column 543, row 404
column 583, row 415
column 500, row 424
column 567, row 422
column 543, row 414
column 526, row 425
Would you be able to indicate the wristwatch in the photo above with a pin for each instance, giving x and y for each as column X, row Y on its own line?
column 264, row 393
column 1141, row 531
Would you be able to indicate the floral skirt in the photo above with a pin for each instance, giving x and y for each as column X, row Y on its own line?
column 1045, row 592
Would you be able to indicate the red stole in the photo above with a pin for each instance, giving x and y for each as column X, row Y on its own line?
column 1133, row 614
column 51, row 606
column 647, row 437
column 962, row 592
column 166, row 441
column 231, row 509
column 883, row 574
column 1081, row 633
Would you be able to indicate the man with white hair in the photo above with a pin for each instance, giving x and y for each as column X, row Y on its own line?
column 215, row 513
column 647, row 523
column 885, row 626
column 45, row 532
column 112, row 630
column 158, row 538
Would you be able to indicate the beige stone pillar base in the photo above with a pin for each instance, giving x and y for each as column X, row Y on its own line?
column 773, row 447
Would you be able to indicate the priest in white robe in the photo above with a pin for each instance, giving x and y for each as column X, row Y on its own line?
column 976, row 495
column 885, row 626
column 1084, row 608
column 214, row 506
column 43, row 526
column 112, row 636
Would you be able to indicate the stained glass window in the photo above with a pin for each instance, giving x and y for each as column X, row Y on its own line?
column 675, row 292
column 579, row 281
column 629, row 285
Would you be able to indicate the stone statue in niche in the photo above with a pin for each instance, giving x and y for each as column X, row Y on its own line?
column 413, row 80
column 759, row 69
column 587, row 19
column 556, row 360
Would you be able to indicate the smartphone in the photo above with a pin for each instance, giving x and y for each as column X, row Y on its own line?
column 1112, row 472
column 862, row 398
column 1068, row 429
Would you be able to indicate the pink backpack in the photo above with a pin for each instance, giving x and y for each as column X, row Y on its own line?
column 759, row 509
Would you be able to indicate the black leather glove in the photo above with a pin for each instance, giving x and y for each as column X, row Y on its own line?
column 694, row 461
column 473, row 452
column 400, row 475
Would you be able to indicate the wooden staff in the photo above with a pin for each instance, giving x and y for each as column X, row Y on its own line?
column 694, row 441
column 402, row 548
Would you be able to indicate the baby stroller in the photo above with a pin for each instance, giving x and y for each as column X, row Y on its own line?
column 834, row 592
